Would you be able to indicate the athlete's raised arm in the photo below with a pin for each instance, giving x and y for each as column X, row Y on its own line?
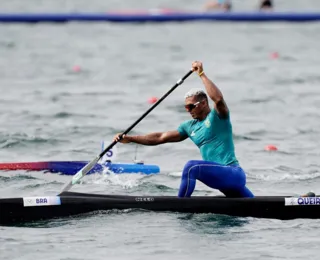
column 213, row 91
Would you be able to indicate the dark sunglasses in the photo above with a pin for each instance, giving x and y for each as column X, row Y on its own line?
column 190, row 107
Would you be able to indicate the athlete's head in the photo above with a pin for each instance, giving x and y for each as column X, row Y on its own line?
column 196, row 103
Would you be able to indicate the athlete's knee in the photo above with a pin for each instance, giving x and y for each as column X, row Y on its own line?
column 190, row 169
column 240, row 177
column 190, row 164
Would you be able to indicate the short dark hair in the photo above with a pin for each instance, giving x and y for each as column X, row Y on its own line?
column 196, row 92
column 201, row 96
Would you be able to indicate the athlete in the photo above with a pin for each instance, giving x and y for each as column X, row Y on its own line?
column 211, row 130
column 219, row 5
column 266, row 5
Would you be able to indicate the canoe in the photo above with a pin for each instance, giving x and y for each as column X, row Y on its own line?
column 72, row 167
column 28, row 209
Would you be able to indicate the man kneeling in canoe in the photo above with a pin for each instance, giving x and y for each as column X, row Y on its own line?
column 211, row 130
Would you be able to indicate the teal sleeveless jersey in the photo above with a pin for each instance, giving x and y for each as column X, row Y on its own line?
column 213, row 136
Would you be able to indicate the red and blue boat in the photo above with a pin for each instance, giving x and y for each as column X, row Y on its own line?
column 72, row 167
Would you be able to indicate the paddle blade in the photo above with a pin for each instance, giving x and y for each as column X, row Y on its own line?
column 80, row 174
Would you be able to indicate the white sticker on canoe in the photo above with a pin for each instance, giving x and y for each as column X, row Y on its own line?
column 302, row 201
column 41, row 201
column 147, row 199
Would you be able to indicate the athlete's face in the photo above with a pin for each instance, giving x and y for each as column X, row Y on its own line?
column 193, row 106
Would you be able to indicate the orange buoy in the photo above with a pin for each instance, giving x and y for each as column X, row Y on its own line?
column 270, row 147
column 76, row 68
column 274, row 55
column 152, row 100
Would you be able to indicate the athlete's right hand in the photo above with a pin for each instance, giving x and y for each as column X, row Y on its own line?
column 123, row 140
column 197, row 66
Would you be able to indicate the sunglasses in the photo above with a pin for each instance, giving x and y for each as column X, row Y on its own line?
column 190, row 107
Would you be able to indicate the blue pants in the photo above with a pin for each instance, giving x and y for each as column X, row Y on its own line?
column 230, row 180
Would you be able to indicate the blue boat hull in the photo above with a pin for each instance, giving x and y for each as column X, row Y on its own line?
column 160, row 16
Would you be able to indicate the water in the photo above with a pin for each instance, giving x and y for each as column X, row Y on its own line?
column 50, row 112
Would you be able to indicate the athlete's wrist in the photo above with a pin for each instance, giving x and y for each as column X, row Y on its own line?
column 130, row 138
column 201, row 74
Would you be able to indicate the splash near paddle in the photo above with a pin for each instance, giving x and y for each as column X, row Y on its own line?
column 76, row 178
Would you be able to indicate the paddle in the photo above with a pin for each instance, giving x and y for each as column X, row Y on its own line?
column 80, row 174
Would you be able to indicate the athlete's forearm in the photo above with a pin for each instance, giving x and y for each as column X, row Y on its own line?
column 149, row 139
column 213, row 91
